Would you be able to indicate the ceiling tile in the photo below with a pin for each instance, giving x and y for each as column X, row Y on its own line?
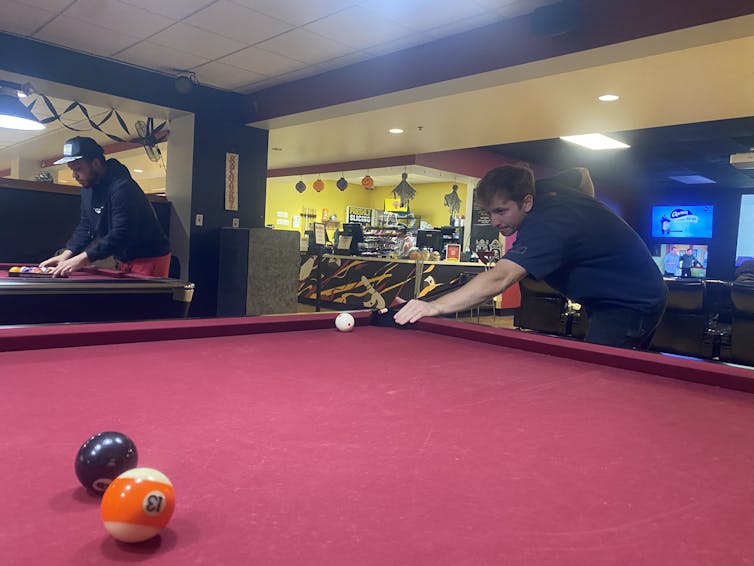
column 225, row 76
column 311, row 70
column 177, row 9
column 196, row 41
column 467, row 24
column 237, row 22
column 305, row 45
column 359, row 27
column 117, row 16
column 66, row 31
column 340, row 62
column 297, row 12
column 399, row 44
column 263, row 62
column 153, row 56
column 51, row 5
column 426, row 14
column 22, row 19
column 514, row 8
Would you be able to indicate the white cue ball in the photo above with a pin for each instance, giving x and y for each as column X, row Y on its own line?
column 344, row 322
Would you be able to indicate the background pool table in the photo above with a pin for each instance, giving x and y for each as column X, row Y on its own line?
column 289, row 442
column 91, row 295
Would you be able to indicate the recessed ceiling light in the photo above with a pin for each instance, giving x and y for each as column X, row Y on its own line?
column 395, row 130
column 595, row 141
column 138, row 170
column 609, row 97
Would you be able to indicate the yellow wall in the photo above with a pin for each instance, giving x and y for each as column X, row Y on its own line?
column 283, row 197
column 429, row 202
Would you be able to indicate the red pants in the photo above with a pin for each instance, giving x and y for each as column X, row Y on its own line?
column 152, row 266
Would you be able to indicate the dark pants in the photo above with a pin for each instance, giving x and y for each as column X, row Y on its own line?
column 622, row 327
column 685, row 272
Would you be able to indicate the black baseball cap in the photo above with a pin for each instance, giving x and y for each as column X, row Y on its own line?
column 78, row 147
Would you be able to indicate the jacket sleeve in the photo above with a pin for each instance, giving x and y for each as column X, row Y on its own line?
column 122, row 213
column 83, row 234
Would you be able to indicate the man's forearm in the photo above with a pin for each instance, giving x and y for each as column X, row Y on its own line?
column 481, row 288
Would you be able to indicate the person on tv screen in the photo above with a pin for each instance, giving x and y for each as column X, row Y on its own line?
column 665, row 225
column 574, row 243
column 671, row 262
column 687, row 262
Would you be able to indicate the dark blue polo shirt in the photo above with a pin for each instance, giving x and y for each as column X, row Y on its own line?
column 581, row 248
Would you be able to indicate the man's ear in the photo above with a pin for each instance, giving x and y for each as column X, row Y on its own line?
column 528, row 203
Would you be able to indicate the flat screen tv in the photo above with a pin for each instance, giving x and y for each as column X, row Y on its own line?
column 681, row 260
column 745, row 243
column 682, row 221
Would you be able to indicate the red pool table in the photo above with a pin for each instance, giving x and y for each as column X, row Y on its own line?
column 91, row 295
column 290, row 443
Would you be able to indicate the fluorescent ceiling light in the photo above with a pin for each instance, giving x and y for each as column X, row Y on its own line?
column 395, row 130
column 14, row 115
column 138, row 170
column 609, row 97
column 595, row 141
column 692, row 179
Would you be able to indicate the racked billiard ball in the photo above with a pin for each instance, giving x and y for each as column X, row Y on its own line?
column 104, row 457
column 137, row 504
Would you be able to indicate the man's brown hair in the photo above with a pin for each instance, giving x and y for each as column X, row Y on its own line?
column 508, row 182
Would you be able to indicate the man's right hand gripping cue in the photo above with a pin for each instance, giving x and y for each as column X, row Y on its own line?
column 482, row 287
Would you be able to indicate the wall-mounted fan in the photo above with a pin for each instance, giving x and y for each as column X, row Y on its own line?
column 149, row 137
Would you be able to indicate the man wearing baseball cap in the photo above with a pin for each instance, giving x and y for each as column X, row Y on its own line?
column 116, row 218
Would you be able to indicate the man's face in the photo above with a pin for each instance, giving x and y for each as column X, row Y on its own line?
column 688, row 252
column 507, row 215
column 84, row 171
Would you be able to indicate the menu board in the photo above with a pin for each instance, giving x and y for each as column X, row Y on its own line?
column 359, row 214
column 484, row 236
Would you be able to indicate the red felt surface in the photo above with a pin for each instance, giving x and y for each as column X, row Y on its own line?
column 378, row 446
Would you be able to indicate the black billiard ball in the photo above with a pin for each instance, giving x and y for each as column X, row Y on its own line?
column 102, row 458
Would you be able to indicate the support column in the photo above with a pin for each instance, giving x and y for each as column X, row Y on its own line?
column 24, row 169
column 178, row 187
column 214, row 136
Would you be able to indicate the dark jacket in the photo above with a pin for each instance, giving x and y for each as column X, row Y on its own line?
column 117, row 220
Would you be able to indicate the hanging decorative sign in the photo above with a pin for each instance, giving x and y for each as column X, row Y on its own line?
column 231, row 181
column 342, row 184
column 318, row 185
column 300, row 186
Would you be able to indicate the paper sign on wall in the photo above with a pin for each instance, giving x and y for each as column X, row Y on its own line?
column 231, row 181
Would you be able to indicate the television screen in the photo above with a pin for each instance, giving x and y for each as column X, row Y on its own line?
column 681, row 260
column 745, row 244
column 682, row 221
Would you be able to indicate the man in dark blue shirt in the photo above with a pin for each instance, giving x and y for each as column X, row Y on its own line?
column 574, row 243
column 116, row 217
